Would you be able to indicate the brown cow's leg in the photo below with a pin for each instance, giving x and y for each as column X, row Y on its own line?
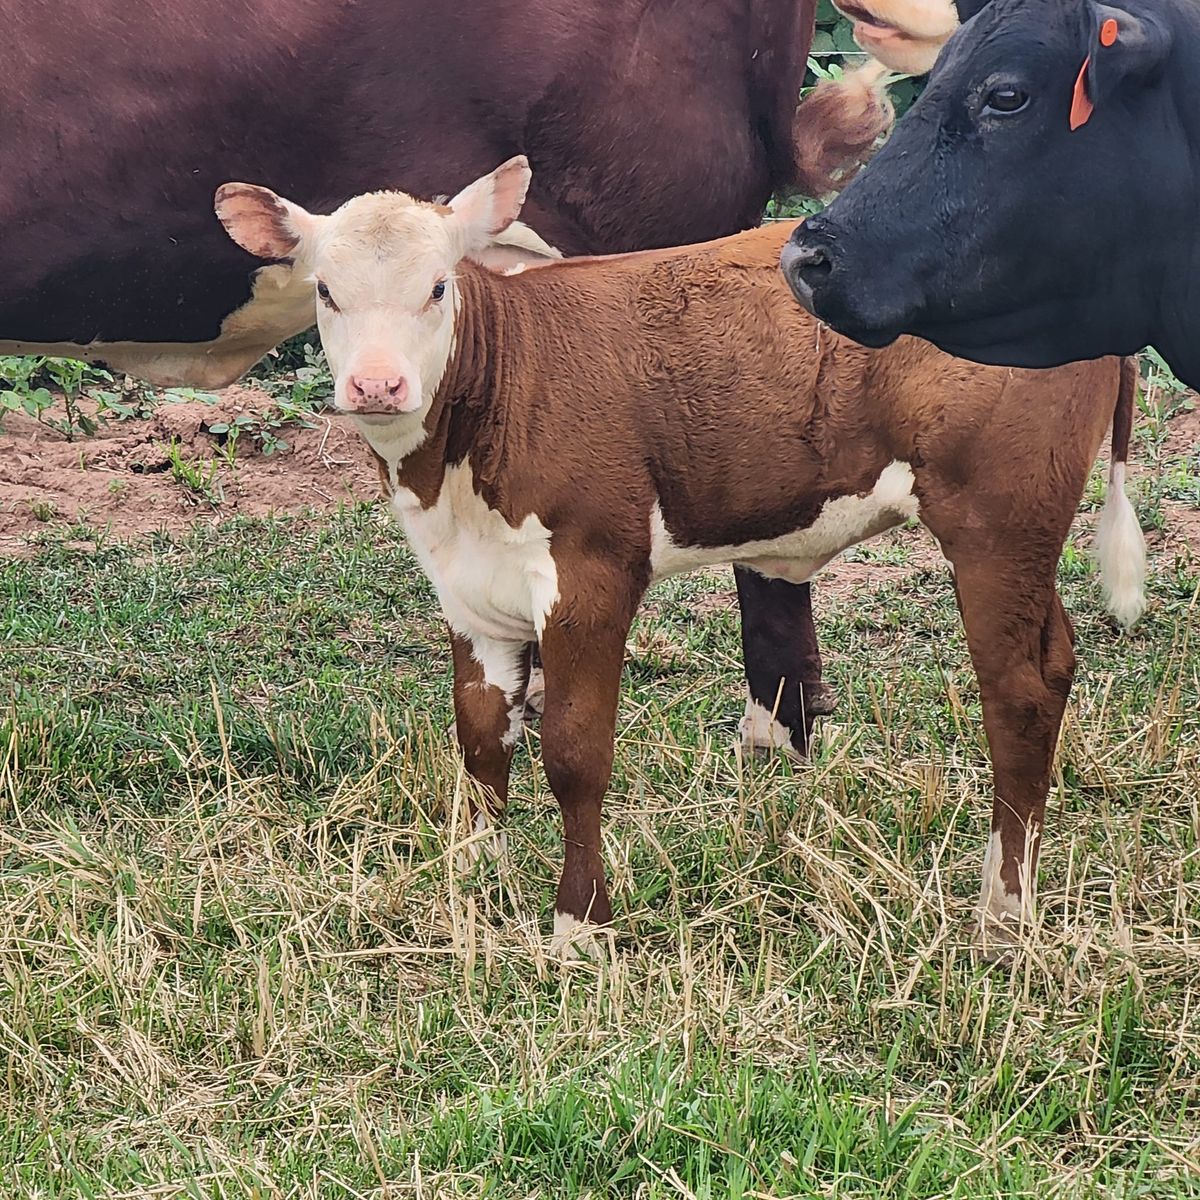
column 1022, row 646
column 535, row 693
column 783, row 663
column 488, row 721
column 583, row 655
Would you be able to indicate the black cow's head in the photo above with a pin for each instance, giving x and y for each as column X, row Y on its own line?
column 1034, row 205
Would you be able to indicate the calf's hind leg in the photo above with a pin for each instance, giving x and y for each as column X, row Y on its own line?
column 488, row 716
column 1022, row 646
column 783, row 663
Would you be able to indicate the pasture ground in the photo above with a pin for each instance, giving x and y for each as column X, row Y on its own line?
column 236, row 959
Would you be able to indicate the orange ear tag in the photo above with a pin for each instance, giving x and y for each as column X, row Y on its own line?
column 1081, row 104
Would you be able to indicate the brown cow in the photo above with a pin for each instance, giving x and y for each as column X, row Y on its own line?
column 558, row 439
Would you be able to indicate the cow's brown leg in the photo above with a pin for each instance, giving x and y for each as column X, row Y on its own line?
column 488, row 721
column 1022, row 646
column 783, row 663
column 582, row 652
column 535, row 693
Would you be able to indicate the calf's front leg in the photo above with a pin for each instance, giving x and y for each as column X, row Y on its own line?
column 489, row 689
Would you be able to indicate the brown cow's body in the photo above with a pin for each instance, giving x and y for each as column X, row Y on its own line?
column 649, row 125
column 699, row 417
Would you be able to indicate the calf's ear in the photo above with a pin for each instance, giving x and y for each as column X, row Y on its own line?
column 261, row 222
column 491, row 204
column 1121, row 48
column 515, row 249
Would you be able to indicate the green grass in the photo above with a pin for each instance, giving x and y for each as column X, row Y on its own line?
column 235, row 959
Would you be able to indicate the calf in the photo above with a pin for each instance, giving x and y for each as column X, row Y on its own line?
column 557, row 439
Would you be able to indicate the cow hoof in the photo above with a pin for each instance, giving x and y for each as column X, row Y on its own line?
column 574, row 940
column 763, row 735
column 820, row 699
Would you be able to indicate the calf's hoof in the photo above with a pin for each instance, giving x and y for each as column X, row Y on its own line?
column 996, row 942
column 485, row 843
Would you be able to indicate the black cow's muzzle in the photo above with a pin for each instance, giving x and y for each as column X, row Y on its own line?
column 808, row 261
column 799, row 264
column 812, row 264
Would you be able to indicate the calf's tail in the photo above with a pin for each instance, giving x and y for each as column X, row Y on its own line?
column 836, row 128
column 1120, row 546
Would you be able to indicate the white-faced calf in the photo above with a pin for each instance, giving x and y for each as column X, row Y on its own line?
column 556, row 439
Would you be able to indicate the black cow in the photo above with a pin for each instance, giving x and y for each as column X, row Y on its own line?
column 1040, row 202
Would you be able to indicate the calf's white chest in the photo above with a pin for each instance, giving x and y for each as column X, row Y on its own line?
column 495, row 582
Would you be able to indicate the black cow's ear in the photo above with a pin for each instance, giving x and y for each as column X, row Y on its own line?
column 1122, row 47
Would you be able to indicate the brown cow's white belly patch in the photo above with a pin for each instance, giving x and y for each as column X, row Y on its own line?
column 842, row 522
column 281, row 305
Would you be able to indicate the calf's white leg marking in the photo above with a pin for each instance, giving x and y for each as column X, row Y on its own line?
column 535, row 693
column 762, row 731
column 516, row 722
column 1000, row 909
column 486, row 841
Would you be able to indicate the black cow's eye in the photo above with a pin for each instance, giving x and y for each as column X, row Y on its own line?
column 1004, row 100
column 323, row 292
column 439, row 290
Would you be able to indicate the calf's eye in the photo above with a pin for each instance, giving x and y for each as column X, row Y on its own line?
column 439, row 290
column 1005, row 99
column 323, row 292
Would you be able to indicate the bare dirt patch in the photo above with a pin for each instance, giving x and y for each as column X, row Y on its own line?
column 124, row 480
column 1183, row 434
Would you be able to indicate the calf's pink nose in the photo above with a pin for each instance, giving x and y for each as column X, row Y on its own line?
column 388, row 392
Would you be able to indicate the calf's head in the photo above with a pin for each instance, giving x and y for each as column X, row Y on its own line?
column 1025, row 210
column 383, row 274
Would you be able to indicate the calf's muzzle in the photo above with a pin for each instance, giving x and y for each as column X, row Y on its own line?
column 365, row 394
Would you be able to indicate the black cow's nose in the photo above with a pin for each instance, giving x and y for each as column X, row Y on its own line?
column 811, row 263
column 807, row 262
